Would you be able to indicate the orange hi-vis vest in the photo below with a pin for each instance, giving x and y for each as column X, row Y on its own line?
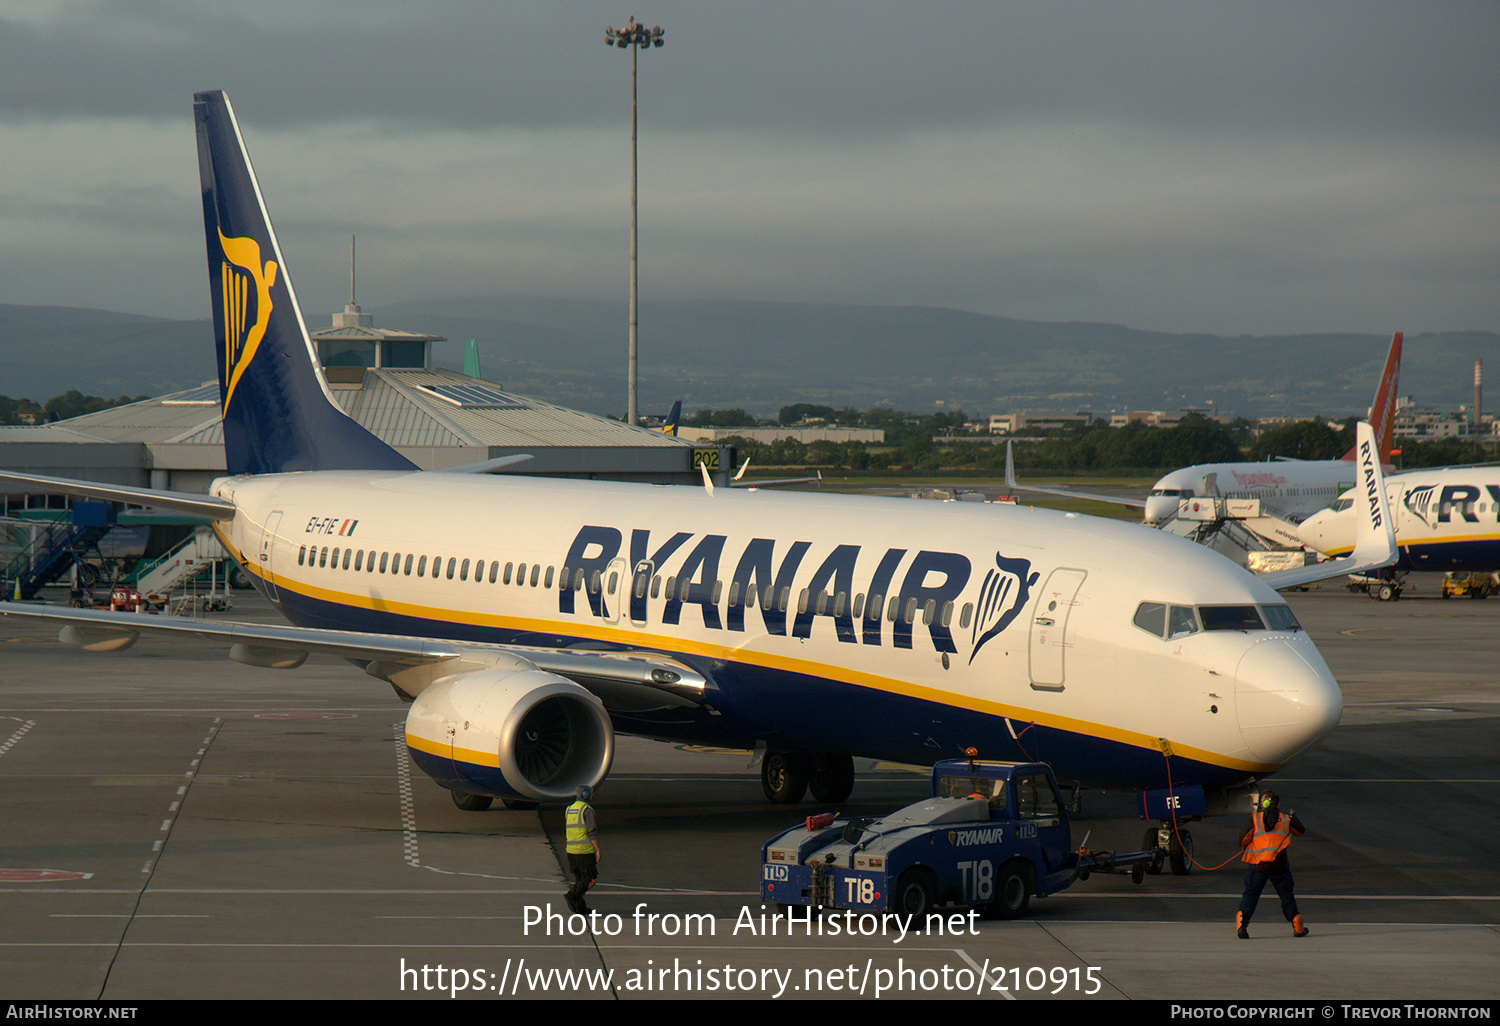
column 1265, row 844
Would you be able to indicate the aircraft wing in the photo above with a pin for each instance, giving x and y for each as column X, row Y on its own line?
column 631, row 681
column 1010, row 482
column 738, row 481
column 182, row 502
column 1375, row 542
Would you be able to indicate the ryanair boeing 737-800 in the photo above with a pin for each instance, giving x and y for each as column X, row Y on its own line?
column 528, row 620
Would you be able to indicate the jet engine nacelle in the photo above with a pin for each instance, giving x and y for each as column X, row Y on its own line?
column 511, row 733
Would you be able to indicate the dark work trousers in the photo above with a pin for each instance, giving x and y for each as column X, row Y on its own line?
column 1279, row 875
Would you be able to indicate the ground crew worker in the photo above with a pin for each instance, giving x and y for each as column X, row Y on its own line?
column 1265, row 842
column 582, row 835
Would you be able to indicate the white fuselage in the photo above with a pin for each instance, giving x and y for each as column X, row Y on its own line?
column 1294, row 488
column 880, row 627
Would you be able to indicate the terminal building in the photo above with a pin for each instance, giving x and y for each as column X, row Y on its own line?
column 384, row 380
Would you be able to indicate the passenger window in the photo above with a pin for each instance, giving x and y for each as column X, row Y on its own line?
column 421, row 566
column 384, row 558
column 548, row 582
column 302, row 555
column 407, row 570
column 452, row 563
column 463, row 570
column 359, row 560
column 536, row 569
column 494, row 570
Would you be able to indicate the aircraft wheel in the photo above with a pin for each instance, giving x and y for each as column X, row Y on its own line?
column 1181, row 857
column 1138, row 873
column 1148, row 842
column 1012, row 893
column 832, row 778
column 1387, row 593
column 471, row 802
column 783, row 776
column 916, row 894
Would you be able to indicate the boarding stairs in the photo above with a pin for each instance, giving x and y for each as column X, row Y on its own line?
column 1233, row 527
column 181, row 565
column 57, row 548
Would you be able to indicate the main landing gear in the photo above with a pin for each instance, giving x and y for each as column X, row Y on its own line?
column 787, row 776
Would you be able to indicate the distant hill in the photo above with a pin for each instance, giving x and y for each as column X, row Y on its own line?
column 762, row 356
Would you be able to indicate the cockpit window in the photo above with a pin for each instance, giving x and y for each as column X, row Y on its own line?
column 1342, row 504
column 1231, row 618
column 1151, row 617
column 1166, row 621
column 1280, row 618
column 1180, row 621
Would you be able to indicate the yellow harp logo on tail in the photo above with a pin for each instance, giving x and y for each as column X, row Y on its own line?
column 246, row 304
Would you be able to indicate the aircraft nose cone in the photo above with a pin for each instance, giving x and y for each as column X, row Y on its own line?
column 1286, row 699
column 1320, row 532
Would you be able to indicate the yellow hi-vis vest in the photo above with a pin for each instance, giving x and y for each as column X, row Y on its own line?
column 578, row 832
column 1265, row 844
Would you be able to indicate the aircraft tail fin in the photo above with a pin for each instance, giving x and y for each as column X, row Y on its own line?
column 1383, row 409
column 279, row 414
column 670, row 427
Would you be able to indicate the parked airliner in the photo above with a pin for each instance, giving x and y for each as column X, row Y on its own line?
column 527, row 620
column 1446, row 519
column 1294, row 488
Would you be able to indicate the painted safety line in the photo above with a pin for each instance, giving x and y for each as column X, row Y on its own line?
column 20, row 733
column 408, row 807
column 985, row 985
column 175, row 806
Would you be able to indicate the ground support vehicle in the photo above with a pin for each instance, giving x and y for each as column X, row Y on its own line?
column 993, row 835
column 1475, row 585
column 1383, row 585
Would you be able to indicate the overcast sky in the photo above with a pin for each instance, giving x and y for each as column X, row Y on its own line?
column 1234, row 168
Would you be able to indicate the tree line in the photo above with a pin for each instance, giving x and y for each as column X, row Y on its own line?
column 71, row 403
column 912, row 443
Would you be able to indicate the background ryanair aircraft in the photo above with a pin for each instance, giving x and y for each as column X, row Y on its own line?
column 1446, row 519
column 527, row 620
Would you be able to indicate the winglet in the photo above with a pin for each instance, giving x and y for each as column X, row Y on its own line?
column 1375, row 542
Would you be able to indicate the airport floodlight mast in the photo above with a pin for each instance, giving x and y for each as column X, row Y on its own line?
column 636, row 37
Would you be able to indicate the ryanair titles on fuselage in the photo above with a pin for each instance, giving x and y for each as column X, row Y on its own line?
column 760, row 585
